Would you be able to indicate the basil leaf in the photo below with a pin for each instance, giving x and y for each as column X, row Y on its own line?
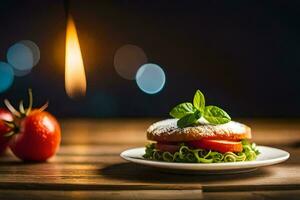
column 199, row 100
column 187, row 120
column 216, row 115
column 197, row 114
column 182, row 110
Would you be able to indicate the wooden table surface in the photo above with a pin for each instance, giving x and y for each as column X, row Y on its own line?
column 88, row 166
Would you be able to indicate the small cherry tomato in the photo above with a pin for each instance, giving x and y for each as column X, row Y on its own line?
column 35, row 134
column 38, row 138
column 5, row 115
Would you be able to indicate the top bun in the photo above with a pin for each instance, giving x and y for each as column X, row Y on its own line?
column 168, row 131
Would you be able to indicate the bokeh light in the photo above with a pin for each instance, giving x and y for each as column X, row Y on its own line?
column 6, row 76
column 150, row 78
column 20, row 56
column 34, row 49
column 20, row 73
column 23, row 55
column 128, row 59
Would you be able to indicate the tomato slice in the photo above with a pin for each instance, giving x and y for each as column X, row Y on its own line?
column 172, row 148
column 221, row 146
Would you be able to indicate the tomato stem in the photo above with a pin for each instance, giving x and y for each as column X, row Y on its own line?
column 14, row 129
column 44, row 107
column 20, row 114
column 11, row 108
column 10, row 124
column 21, row 108
column 9, row 134
column 30, row 101
column 22, row 111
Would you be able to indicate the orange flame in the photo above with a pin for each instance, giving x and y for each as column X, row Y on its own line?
column 75, row 80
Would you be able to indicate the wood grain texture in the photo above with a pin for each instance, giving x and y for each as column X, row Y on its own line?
column 147, row 195
column 101, row 195
column 88, row 160
column 254, row 195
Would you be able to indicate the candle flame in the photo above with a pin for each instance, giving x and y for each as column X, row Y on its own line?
column 75, row 80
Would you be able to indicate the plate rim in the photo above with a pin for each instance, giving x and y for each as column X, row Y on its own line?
column 207, row 166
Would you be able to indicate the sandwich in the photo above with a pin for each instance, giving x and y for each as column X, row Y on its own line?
column 199, row 134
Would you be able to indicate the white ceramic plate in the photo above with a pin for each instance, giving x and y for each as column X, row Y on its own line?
column 268, row 156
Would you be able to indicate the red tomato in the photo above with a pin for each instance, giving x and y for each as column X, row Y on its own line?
column 221, row 146
column 39, row 137
column 172, row 148
column 7, row 116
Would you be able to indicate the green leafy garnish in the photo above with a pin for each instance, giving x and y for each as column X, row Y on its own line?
column 189, row 114
column 188, row 119
column 190, row 155
column 182, row 110
column 216, row 115
column 199, row 100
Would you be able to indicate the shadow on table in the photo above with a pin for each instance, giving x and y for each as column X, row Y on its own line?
column 133, row 172
column 296, row 144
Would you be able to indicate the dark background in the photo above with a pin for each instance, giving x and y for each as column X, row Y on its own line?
column 244, row 56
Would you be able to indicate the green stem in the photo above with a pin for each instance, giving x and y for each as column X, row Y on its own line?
column 21, row 108
column 30, row 101
column 11, row 108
